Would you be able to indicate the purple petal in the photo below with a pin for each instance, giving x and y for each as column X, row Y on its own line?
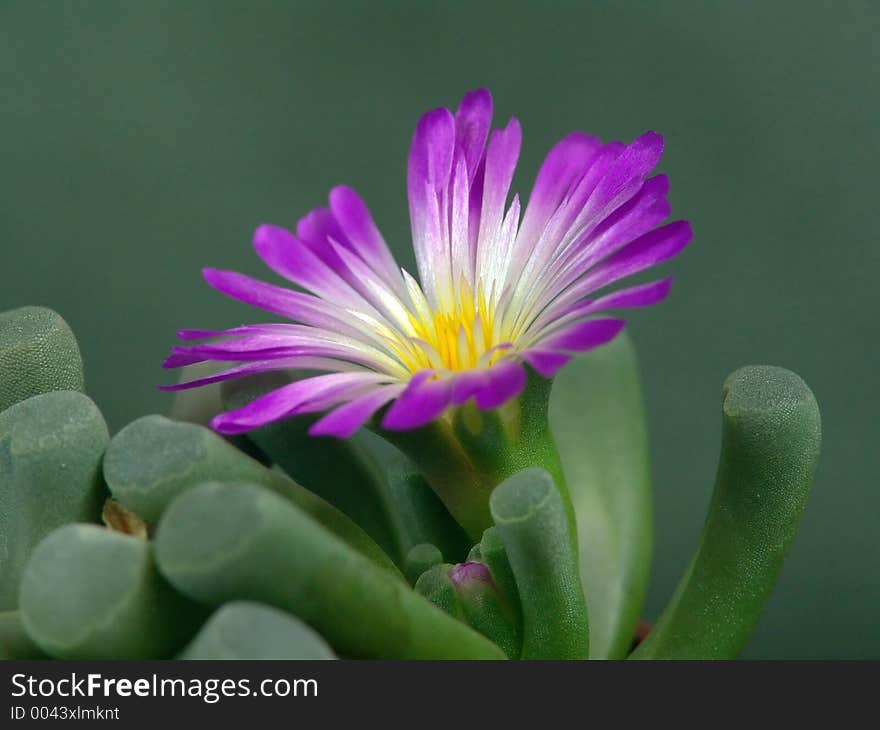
column 195, row 334
column 649, row 250
column 467, row 572
column 343, row 421
column 645, row 210
column 276, row 328
column 289, row 257
column 501, row 159
column 463, row 248
column 430, row 159
column 182, row 356
column 545, row 362
column 504, row 380
column 583, row 336
column 564, row 164
column 571, row 213
column 624, row 178
column 284, row 401
column 362, row 235
column 261, row 366
column 641, row 295
column 269, row 297
column 422, row 402
column 285, row 302
column 316, row 229
column 467, row 384
column 472, row 122
column 533, row 256
column 430, row 166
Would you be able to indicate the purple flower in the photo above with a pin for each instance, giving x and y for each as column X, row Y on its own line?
column 497, row 290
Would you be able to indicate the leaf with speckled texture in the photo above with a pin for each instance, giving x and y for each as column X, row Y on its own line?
column 51, row 447
column 769, row 452
column 38, row 354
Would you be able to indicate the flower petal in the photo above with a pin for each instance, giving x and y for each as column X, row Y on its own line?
column 583, row 336
column 429, row 168
column 564, row 164
column 472, row 122
column 466, row 384
column 641, row 295
column 422, row 402
column 362, row 236
column 262, row 366
column 624, row 177
column 287, row 303
column 285, row 400
column 501, row 159
column 343, row 421
column 545, row 362
column 289, row 257
column 646, row 251
column 504, row 380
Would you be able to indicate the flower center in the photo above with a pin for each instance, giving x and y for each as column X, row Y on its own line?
column 463, row 337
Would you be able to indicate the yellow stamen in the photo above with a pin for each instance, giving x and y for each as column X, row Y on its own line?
column 459, row 337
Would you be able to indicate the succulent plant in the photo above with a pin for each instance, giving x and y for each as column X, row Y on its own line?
column 169, row 540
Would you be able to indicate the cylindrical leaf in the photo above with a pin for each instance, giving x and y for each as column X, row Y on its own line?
column 90, row 593
column 533, row 524
column 153, row 459
column 494, row 555
column 769, row 452
column 38, row 354
column 341, row 471
column 484, row 608
column 421, row 558
column 50, row 475
column 244, row 630
column 421, row 516
column 222, row 542
column 14, row 641
column 598, row 419
column 437, row 587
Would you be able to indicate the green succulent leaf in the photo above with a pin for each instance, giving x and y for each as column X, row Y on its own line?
column 420, row 515
column 14, row 640
column 769, row 452
column 38, row 354
column 533, row 524
column 91, row 593
column 219, row 542
column 341, row 471
column 245, row 630
column 420, row 558
column 598, row 420
column 51, row 447
column 154, row 459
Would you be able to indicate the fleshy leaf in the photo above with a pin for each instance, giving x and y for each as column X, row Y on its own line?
column 91, row 593
column 769, row 452
column 244, row 630
column 222, row 542
column 153, row 459
column 38, row 354
column 598, row 420
column 51, row 447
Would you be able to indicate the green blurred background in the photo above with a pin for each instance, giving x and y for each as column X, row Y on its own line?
column 142, row 141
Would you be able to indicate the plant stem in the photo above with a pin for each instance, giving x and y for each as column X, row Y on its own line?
column 465, row 455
